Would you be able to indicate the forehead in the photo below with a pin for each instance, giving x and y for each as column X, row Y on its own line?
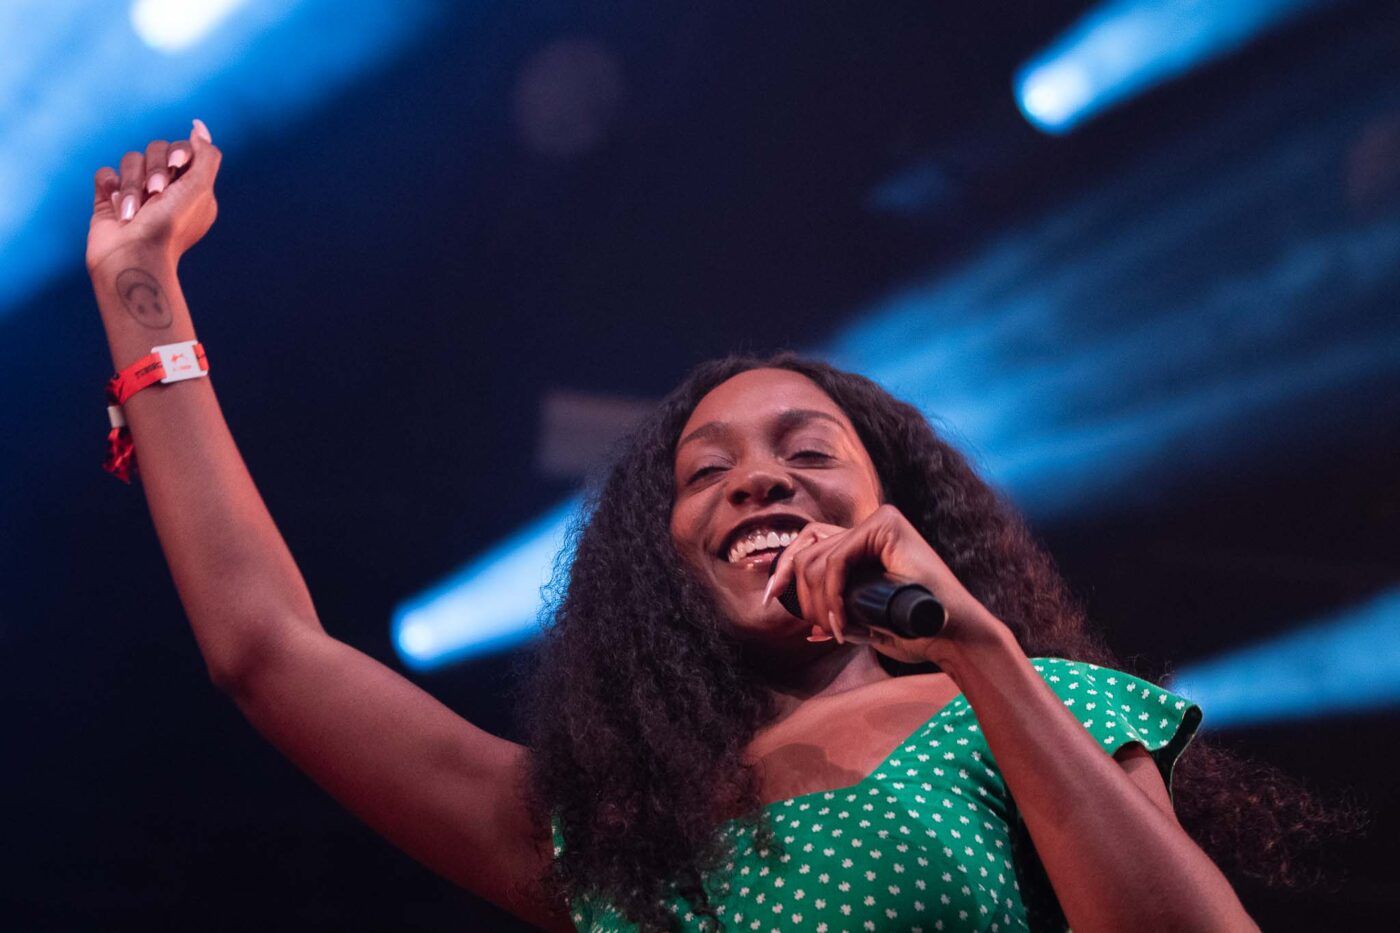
column 757, row 396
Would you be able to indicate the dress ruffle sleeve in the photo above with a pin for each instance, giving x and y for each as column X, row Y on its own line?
column 1118, row 709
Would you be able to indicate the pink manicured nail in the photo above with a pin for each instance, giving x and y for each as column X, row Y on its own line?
column 156, row 183
column 818, row 638
column 831, row 618
column 116, row 202
column 768, row 590
column 177, row 158
column 202, row 131
column 128, row 207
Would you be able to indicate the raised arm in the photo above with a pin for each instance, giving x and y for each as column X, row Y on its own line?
column 446, row 792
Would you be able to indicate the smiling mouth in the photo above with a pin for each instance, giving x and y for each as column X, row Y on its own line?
column 761, row 539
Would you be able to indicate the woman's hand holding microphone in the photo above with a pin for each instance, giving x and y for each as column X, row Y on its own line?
column 822, row 558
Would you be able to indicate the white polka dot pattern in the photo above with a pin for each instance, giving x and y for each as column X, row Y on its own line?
column 924, row 842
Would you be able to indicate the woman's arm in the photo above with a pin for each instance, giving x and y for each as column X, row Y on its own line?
column 446, row 792
column 235, row 576
column 1104, row 829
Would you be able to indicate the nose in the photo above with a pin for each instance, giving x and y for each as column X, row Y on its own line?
column 761, row 484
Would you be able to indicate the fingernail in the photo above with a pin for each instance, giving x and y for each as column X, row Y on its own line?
column 202, row 131
column 819, row 638
column 128, row 207
column 831, row 618
column 116, row 202
column 156, row 183
column 768, row 590
column 177, row 158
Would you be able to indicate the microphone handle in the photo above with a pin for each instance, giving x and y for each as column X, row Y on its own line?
column 907, row 609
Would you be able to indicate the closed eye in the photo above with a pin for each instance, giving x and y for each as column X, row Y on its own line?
column 811, row 454
column 703, row 472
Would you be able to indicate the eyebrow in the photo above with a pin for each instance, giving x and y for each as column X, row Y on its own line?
column 785, row 422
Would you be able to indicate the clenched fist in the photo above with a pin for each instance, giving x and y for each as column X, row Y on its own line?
column 162, row 200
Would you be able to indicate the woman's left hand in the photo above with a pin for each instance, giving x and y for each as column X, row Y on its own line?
column 822, row 562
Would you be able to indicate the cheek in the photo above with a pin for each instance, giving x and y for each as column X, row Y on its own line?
column 847, row 501
column 685, row 534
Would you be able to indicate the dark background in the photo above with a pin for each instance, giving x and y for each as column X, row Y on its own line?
column 444, row 273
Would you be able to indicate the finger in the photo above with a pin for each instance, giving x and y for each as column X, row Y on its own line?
column 157, row 173
column 889, row 643
column 783, row 566
column 204, row 155
column 133, row 179
column 782, row 569
column 177, row 156
column 810, row 574
column 831, row 585
column 105, row 184
column 834, row 580
column 800, row 566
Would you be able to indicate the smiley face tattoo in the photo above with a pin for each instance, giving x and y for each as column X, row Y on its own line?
column 143, row 298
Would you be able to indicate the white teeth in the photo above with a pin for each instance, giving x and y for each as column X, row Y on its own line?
column 760, row 540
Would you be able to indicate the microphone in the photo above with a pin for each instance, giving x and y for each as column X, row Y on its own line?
column 907, row 609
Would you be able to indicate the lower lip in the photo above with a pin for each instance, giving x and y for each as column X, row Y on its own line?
column 755, row 562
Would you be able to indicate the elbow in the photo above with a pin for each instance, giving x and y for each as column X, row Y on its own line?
column 230, row 674
column 234, row 670
column 226, row 677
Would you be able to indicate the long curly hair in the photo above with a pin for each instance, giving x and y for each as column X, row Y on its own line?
column 641, row 704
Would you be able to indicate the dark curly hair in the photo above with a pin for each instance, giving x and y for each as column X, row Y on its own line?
column 641, row 704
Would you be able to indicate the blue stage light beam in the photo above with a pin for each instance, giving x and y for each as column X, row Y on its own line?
column 1089, row 360
column 1124, row 47
column 82, row 83
column 1347, row 662
column 490, row 603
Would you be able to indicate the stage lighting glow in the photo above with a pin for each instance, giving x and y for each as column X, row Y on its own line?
column 1124, row 47
column 1053, row 94
column 491, row 602
column 77, row 91
column 1349, row 661
column 1086, row 360
column 174, row 25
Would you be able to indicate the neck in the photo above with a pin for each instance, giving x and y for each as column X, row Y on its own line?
column 815, row 671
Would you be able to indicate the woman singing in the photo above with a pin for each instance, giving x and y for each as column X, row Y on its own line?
column 699, row 757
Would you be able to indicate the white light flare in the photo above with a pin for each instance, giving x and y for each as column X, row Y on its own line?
column 172, row 26
column 1122, row 48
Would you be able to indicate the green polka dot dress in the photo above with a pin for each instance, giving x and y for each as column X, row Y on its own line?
column 925, row 842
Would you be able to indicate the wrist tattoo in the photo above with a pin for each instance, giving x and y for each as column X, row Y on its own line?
column 144, row 299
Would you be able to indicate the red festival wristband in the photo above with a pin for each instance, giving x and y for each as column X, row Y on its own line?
column 172, row 362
